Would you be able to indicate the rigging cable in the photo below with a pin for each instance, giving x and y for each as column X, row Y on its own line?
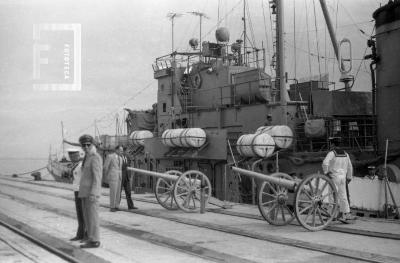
column 365, row 52
column 354, row 23
column 226, row 21
column 336, row 27
column 233, row 8
column 266, row 35
column 107, row 115
column 328, row 54
column 253, row 45
column 341, row 26
column 308, row 39
column 200, row 21
column 316, row 36
column 326, row 62
column 129, row 99
column 294, row 39
column 316, row 55
column 219, row 2
column 36, row 170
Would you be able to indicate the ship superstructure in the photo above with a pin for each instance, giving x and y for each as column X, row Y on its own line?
column 222, row 89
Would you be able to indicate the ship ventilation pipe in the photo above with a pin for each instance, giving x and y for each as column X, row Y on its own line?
column 373, row 56
column 371, row 67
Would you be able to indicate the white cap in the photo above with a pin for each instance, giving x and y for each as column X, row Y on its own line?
column 72, row 150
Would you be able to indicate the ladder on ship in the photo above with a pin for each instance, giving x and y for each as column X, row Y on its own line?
column 186, row 99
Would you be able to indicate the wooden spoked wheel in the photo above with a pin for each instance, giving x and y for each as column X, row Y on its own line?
column 187, row 190
column 275, row 202
column 165, row 191
column 316, row 202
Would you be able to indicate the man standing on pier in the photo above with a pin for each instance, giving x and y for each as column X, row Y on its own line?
column 126, row 179
column 76, row 178
column 113, row 173
column 89, row 190
column 337, row 165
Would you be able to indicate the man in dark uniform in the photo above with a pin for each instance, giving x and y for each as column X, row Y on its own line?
column 126, row 180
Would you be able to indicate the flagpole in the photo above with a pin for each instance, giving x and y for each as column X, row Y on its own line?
column 62, row 134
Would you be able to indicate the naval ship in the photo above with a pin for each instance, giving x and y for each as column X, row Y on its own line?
column 217, row 108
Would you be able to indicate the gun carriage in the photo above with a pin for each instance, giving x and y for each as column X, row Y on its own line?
column 281, row 198
column 175, row 189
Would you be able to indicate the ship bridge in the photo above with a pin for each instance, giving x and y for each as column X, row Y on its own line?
column 213, row 77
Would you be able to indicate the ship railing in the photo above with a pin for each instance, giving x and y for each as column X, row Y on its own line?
column 181, row 60
column 356, row 133
column 251, row 58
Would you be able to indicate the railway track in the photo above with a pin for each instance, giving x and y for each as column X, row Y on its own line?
column 333, row 228
column 31, row 254
column 347, row 253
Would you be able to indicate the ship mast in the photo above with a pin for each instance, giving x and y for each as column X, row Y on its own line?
column 244, row 32
column 280, row 68
column 172, row 17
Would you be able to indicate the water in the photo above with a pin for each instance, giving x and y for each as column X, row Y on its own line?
column 18, row 166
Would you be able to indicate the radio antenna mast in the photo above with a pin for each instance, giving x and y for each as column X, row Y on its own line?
column 201, row 15
column 172, row 17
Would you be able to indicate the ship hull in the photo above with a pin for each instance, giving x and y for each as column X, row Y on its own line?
column 60, row 170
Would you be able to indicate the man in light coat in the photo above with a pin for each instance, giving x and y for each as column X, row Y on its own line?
column 337, row 165
column 113, row 174
column 89, row 190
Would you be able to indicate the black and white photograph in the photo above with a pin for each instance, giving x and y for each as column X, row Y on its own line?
column 199, row 131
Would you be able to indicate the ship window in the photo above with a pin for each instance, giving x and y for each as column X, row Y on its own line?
column 164, row 107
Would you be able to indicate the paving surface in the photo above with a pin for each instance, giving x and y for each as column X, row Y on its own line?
column 138, row 236
column 14, row 248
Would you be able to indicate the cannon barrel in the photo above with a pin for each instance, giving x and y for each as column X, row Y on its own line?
column 291, row 185
column 155, row 174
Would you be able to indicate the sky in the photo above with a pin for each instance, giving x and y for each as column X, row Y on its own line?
column 120, row 40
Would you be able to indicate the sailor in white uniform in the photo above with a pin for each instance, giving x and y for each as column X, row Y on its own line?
column 337, row 165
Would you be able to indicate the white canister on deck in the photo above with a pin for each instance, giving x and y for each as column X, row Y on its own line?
column 137, row 137
column 282, row 134
column 253, row 145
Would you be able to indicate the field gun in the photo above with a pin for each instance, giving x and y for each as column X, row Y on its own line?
column 281, row 198
column 175, row 189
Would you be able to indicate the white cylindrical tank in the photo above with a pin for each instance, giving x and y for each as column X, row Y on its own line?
column 252, row 145
column 282, row 134
column 137, row 137
column 191, row 137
